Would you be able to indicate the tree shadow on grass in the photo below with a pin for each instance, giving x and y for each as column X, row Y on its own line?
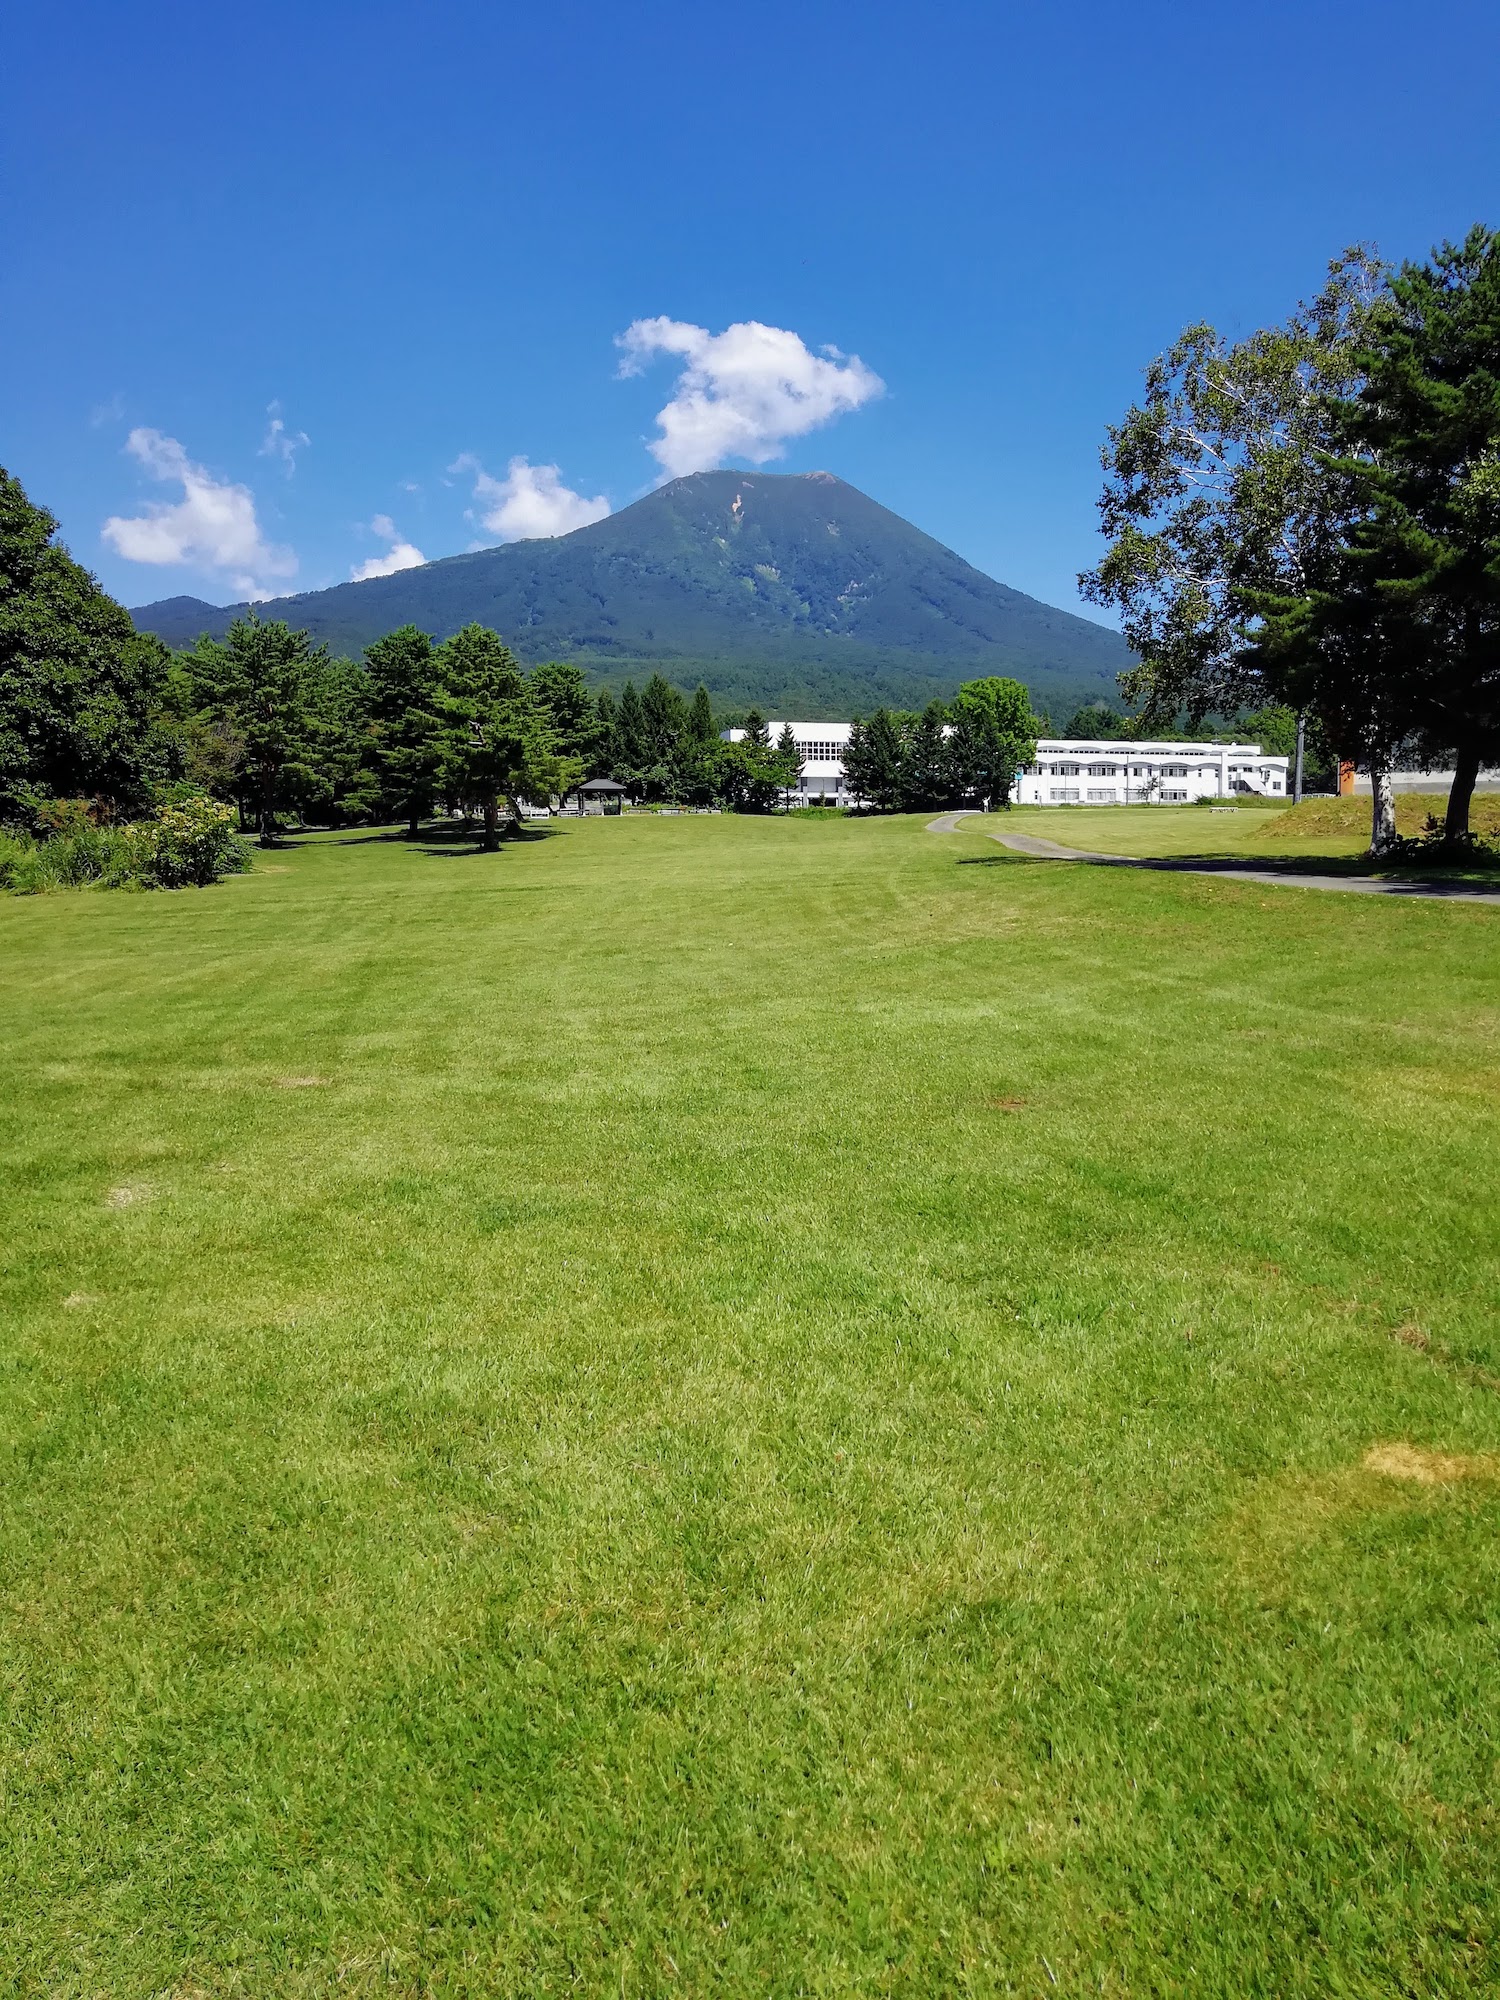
column 456, row 843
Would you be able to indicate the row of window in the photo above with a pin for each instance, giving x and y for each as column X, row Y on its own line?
column 1114, row 770
column 831, row 753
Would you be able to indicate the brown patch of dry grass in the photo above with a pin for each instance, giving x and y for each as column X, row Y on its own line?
column 1429, row 1468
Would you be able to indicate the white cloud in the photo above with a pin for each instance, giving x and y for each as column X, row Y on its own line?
column 530, row 503
column 281, row 443
column 400, row 555
column 744, row 392
column 213, row 526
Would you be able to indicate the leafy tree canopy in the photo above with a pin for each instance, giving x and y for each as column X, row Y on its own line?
column 80, row 689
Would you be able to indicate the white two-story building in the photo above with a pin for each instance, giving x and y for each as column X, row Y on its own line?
column 1146, row 773
column 1067, row 773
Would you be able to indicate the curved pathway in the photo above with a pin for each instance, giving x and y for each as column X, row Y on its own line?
column 1038, row 849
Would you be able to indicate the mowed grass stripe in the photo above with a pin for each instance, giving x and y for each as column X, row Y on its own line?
column 733, row 1406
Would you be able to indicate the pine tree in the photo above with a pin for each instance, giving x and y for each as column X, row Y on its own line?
column 631, row 756
column 872, row 762
column 788, row 759
column 562, row 692
column 604, row 752
column 260, row 681
column 926, row 767
column 404, row 711
column 497, row 743
column 700, row 722
column 1425, row 432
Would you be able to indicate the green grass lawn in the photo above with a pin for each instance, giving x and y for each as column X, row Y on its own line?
column 737, row 1407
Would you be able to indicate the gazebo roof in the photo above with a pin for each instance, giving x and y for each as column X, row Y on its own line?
column 601, row 785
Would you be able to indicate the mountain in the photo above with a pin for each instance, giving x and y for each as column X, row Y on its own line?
column 793, row 591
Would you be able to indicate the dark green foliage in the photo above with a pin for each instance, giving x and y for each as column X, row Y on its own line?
column 1424, row 429
column 700, row 723
column 872, row 762
column 407, row 729
column 261, row 682
column 926, row 778
column 1098, row 721
column 605, row 753
column 631, row 754
column 189, row 842
column 561, row 690
column 994, row 734
column 344, row 783
column 497, row 740
column 80, row 688
column 793, row 592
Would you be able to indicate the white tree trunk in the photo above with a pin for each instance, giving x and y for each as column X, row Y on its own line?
column 1382, row 810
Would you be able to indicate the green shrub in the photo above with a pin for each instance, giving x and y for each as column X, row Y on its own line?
column 190, row 842
column 193, row 842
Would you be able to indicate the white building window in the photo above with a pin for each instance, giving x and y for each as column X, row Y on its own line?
column 1101, row 795
column 1064, row 797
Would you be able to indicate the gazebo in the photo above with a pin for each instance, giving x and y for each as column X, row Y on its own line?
column 601, row 795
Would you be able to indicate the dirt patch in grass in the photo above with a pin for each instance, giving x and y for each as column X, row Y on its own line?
column 1429, row 1468
column 1007, row 1104
column 127, row 1197
column 300, row 1082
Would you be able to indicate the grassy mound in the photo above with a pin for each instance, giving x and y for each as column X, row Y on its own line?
column 1350, row 817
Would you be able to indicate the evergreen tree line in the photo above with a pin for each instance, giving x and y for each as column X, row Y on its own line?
column 266, row 720
column 1310, row 518
column 953, row 753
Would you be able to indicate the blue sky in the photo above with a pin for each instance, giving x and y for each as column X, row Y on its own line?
column 413, row 236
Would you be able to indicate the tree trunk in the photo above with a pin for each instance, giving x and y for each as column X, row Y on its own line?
column 1382, row 810
column 267, row 811
column 1460, row 797
column 412, row 820
column 491, row 839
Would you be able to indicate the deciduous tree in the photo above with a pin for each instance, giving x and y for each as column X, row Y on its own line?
column 80, row 688
column 994, row 735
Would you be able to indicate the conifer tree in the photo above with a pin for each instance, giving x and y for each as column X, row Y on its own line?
column 496, row 742
column 604, row 752
column 700, row 721
column 260, row 681
column 404, row 693
column 926, row 779
column 872, row 762
column 561, row 690
column 1424, row 428
column 630, row 739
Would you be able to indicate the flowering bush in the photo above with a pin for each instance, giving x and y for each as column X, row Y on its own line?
column 191, row 843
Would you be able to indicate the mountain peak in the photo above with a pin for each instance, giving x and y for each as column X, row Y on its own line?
column 793, row 590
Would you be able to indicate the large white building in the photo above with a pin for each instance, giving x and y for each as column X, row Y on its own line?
column 1146, row 773
column 1066, row 773
column 821, row 746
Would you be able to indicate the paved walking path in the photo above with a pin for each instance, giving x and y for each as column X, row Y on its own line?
column 1360, row 885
